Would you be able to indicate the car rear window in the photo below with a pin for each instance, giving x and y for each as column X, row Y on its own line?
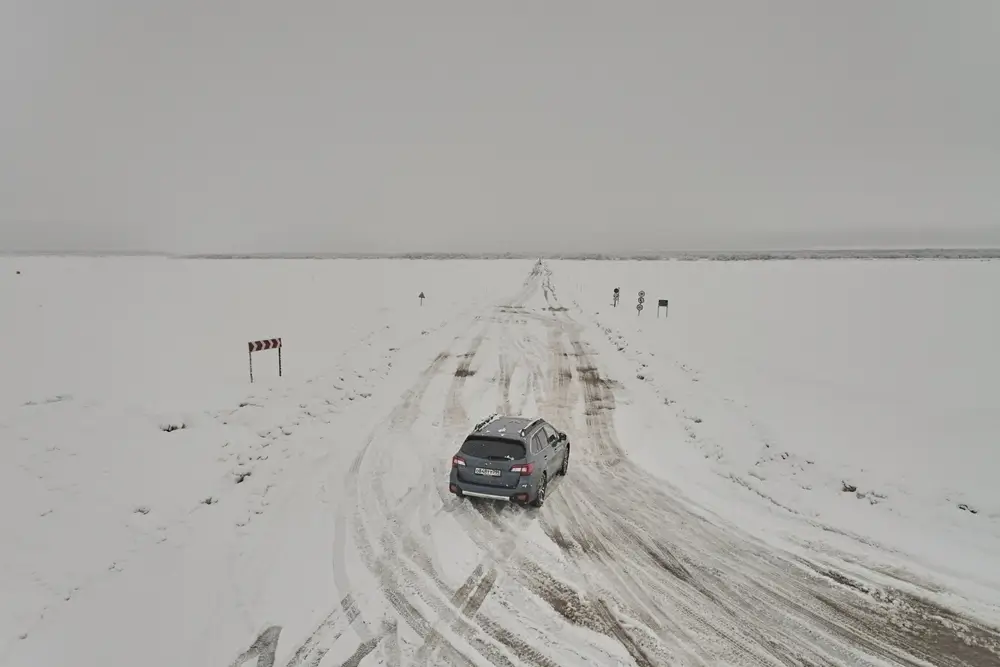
column 493, row 449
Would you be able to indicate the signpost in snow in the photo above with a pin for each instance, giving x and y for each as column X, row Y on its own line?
column 266, row 344
column 421, row 297
column 662, row 303
column 615, row 298
column 642, row 300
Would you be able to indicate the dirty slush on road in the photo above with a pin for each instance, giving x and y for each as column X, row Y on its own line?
column 641, row 568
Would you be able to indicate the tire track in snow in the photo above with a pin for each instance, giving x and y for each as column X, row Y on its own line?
column 469, row 598
column 489, row 526
column 744, row 602
column 901, row 626
column 559, row 597
column 314, row 647
column 597, row 384
column 655, row 552
column 668, row 584
column 514, row 354
column 610, row 544
column 455, row 406
column 470, row 588
column 262, row 650
column 504, row 375
column 367, row 647
column 392, row 563
column 386, row 566
column 607, row 550
column 598, row 399
column 403, row 415
column 558, row 401
column 559, row 396
column 317, row 644
column 483, row 522
column 507, row 363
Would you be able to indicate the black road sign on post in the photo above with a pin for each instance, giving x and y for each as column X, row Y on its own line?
column 421, row 297
column 615, row 298
column 642, row 300
column 662, row 303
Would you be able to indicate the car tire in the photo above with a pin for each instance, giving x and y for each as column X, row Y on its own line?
column 542, row 492
column 565, row 464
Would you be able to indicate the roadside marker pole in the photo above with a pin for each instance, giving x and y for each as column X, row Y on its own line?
column 266, row 344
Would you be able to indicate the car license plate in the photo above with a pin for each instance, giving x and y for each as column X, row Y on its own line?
column 489, row 472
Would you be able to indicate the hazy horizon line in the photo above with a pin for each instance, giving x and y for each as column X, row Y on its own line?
column 831, row 252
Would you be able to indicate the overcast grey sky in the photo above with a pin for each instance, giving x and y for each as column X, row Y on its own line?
column 255, row 125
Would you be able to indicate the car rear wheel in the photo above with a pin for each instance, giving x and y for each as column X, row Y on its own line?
column 540, row 494
column 565, row 464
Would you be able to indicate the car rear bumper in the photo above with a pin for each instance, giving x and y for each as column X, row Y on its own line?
column 520, row 493
column 488, row 496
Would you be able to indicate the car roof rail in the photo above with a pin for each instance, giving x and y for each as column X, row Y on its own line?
column 481, row 425
column 527, row 427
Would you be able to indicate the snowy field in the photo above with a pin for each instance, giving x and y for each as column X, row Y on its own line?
column 795, row 466
column 801, row 380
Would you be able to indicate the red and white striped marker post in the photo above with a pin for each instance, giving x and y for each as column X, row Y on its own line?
column 267, row 344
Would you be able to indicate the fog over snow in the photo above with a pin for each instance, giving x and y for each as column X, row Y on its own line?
column 448, row 126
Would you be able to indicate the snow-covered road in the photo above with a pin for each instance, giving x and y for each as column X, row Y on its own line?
column 617, row 568
column 380, row 565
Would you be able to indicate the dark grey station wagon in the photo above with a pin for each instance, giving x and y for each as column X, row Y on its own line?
column 510, row 459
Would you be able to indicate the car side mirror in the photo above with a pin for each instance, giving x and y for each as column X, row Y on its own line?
column 562, row 436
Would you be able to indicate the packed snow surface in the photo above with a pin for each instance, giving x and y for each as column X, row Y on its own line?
column 793, row 464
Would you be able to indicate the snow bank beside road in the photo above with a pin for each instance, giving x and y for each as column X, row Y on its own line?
column 856, row 394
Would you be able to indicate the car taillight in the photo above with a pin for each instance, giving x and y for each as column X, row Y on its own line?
column 523, row 468
column 457, row 461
